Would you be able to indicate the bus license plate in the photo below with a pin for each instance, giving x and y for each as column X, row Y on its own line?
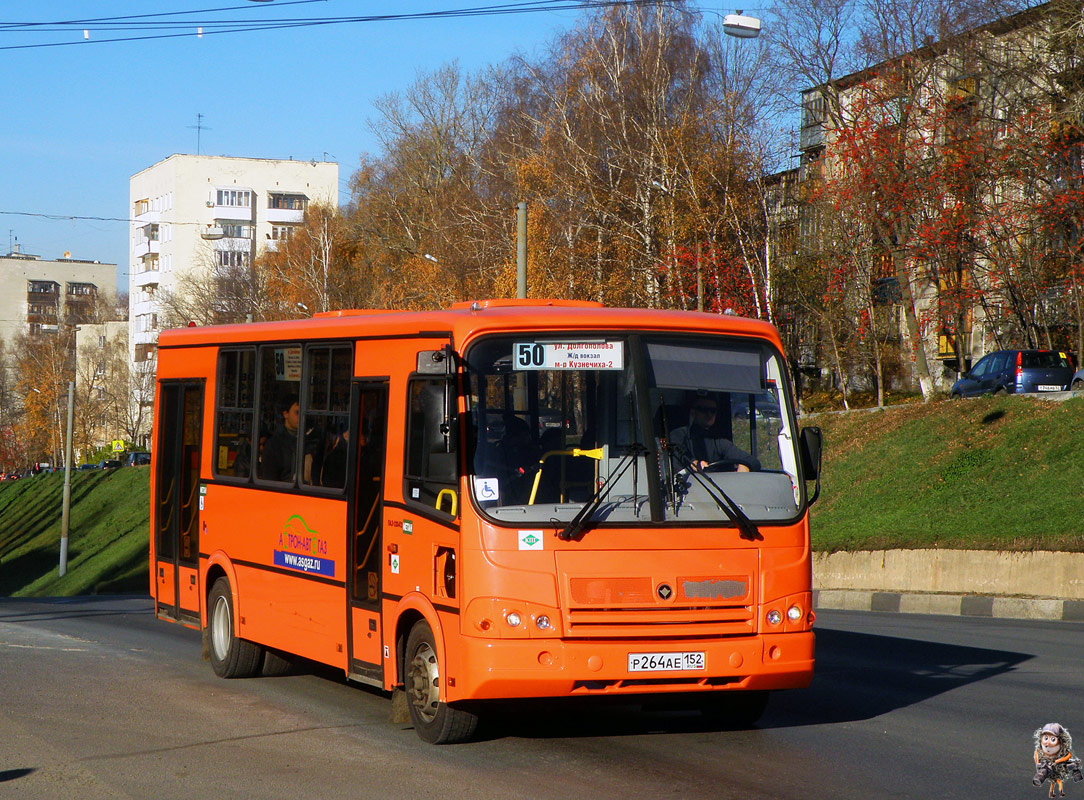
column 665, row 662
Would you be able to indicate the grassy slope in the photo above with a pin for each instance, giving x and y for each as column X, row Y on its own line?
column 107, row 538
column 1003, row 473
column 995, row 473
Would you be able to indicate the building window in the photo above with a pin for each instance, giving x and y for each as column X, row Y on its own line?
column 232, row 258
column 238, row 198
column 280, row 233
column 82, row 290
column 287, row 202
column 42, row 287
column 234, row 228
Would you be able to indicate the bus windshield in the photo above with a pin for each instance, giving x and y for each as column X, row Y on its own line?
column 663, row 429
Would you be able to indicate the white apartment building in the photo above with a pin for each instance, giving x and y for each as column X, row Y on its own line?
column 41, row 294
column 192, row 213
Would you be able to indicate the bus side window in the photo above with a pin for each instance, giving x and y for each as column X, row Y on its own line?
column 431, row 448
column 280, row 378
column 325, row 417
column 235, row 413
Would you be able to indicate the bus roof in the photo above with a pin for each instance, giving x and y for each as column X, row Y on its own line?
column 463, row 321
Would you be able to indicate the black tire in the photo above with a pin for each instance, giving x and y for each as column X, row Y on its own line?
column 231, row 657
column 1078, row 386
column 955, row 396
column 434, row 721
column 1000, row 390
column 735, row 709
column 275, row 663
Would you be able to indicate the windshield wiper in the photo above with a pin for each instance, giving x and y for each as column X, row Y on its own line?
column 746, row 527
column 576, row 528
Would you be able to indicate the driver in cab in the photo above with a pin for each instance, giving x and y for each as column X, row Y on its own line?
column 702, row 445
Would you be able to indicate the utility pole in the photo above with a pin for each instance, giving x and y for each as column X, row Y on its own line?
column 521, row 250
column 66, row 508
column 699, row 281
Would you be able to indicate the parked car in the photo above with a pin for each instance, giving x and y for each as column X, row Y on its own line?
column 137, row 459
column 83, row 467
column 1077, row 384
column 111, row 463
column 1016, row 371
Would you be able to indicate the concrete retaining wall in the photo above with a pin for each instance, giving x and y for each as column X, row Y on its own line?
column 1030, row 585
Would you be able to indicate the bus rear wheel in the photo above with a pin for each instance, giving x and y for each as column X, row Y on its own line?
column 231, row 657
column 434, row 721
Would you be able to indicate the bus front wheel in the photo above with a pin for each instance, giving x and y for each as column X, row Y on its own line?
column 434, row 721
column 231, row 657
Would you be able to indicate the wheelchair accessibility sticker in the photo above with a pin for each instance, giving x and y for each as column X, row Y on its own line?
column 486, row 489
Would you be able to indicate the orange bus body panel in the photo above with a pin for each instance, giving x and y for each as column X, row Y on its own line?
column 287, row 612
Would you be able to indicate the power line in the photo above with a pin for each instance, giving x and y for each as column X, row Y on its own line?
column 197, row 28
column 78, row 217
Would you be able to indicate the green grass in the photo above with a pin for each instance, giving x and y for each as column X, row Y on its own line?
column 997, row 473
column 107, row 534
column 1001, row 473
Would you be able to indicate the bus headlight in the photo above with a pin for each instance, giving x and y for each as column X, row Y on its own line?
column 522, row 619
column 774, row 617
column 794, row 613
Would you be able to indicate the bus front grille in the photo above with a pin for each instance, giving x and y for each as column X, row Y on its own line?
column 598, row 622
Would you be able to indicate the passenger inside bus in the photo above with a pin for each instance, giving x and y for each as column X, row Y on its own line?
column 702, row 444
column 278, row 456
column 333, row 469
column 518, row 455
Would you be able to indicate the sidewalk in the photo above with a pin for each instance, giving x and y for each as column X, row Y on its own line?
column 979, row 583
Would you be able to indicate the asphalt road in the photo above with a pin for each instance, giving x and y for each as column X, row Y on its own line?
column 100, row 700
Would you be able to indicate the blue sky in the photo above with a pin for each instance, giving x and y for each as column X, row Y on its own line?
column 80, row 120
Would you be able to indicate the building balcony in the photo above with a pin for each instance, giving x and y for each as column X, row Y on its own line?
column 145, row 248
column 142, row 307
column 148, row 217
column 232, row 244
column 294, row 215
column 145, row 278
column 144, row 337
column 810, row 137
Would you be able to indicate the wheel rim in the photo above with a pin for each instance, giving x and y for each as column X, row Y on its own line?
column 221, row 628
column 425, row 682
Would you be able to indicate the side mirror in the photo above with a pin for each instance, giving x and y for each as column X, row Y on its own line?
column 436, row 362
column 810, row 451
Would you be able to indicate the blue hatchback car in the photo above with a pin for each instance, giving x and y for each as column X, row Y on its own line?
column 1016, row 371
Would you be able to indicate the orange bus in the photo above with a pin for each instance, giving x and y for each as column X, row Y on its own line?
column 505, row 499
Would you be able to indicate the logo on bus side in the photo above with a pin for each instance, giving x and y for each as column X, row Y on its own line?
column 303, row 549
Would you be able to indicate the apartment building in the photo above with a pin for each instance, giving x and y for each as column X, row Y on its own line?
column 980, row 141
column 42, row 294
column 193, row 214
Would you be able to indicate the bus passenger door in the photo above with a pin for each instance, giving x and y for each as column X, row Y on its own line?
column 369, row 426
column 176, row 509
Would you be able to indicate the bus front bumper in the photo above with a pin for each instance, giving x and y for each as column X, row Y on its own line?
column 514, row 668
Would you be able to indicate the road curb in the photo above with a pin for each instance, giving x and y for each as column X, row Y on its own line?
column 963, row 605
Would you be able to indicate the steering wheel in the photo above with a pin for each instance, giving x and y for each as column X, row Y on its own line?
column 722, row 465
